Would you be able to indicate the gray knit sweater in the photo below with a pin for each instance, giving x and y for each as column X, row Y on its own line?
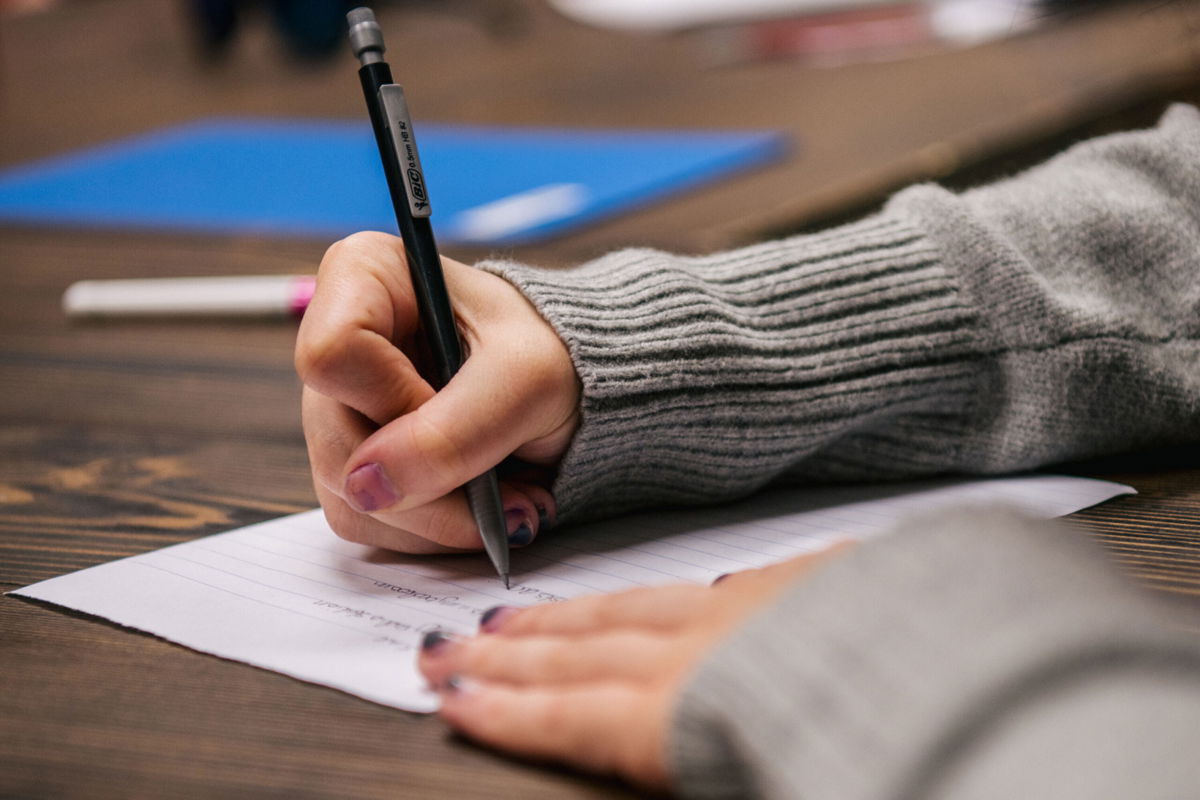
column 1048, row 317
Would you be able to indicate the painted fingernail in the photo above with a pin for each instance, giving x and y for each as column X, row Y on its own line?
column 368, row 488
column 492, row 619
column 435, row 642
column 520, row 532
column 521, row 537
column 720, row 578
column 543, row 519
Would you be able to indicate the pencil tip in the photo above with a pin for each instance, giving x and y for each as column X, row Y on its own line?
column 506, row 586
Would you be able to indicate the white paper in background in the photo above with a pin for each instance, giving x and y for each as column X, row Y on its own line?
column 964, row 21
column 665, row 15
column 288, row 595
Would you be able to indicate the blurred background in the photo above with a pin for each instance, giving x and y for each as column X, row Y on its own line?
column 689, row 125
column 868, row 95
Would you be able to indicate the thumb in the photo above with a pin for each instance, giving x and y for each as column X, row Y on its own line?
column 479, row 418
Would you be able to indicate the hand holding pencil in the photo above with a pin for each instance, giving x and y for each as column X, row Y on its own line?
column 433, row 437
column 387, row 450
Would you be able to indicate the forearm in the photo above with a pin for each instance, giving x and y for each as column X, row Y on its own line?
column 972, row 655
column 1048, row 317
column 704, row 378
column 1087, row 270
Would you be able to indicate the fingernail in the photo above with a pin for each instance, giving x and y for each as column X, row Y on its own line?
column 492, row 619
column 520, row 532
column 720, row 578
column 521, row 536
column 543, row 519
column 368, row 488
column 435, row 642
column 456, row 685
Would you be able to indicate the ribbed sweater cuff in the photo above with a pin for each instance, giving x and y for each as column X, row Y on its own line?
column 705, row 377
column 871, row 676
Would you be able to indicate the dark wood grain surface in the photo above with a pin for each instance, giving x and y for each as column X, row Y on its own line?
column 122, row 437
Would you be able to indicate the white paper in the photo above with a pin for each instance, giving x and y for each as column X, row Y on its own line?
column 288, row 595
column 665, row 15
column 963, row 21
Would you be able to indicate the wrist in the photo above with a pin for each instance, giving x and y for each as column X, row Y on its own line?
column 705, row 378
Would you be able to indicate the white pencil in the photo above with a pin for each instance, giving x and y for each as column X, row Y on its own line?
column 242, row 296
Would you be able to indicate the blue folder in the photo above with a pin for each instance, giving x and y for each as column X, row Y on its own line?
column 322, row 178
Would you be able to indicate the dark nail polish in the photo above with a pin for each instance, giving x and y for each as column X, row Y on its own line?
column 720, row 578
column 494, row 617
column 435, row 641
column 521, row 536
column 368, row 489
column 543, row 519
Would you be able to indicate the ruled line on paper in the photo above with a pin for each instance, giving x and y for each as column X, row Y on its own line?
column 246, row 597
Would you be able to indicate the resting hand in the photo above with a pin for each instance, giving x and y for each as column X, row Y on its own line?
column 387, row 452
column 591, row 681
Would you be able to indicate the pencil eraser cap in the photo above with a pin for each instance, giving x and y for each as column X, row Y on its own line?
column 360, row 14
column 366, row 36
column 365, row 33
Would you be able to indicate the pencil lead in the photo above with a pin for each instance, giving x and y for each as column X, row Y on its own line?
column 506, row 586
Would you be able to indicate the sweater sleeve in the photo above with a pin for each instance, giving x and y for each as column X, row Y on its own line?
column 973, row 655
column 1051, row 316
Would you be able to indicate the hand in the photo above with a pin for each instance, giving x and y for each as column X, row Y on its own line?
column 387, row 452
column 592, row 681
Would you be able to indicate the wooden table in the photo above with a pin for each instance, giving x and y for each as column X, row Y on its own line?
column 123, row 437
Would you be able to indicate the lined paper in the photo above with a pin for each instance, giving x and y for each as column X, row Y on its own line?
column 289, row 596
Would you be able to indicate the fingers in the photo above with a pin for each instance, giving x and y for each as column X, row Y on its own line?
column 537, row 495
column 599, row 700
column 588, row 681
column 492, row 407
column 591, row 681
column 416, row 535
column 517, row 393
column 332, row 431
column 660, row 608
column 384, row 443
column 610, row 728
column 772, row 578
column 545, row 660
column 361, row 314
